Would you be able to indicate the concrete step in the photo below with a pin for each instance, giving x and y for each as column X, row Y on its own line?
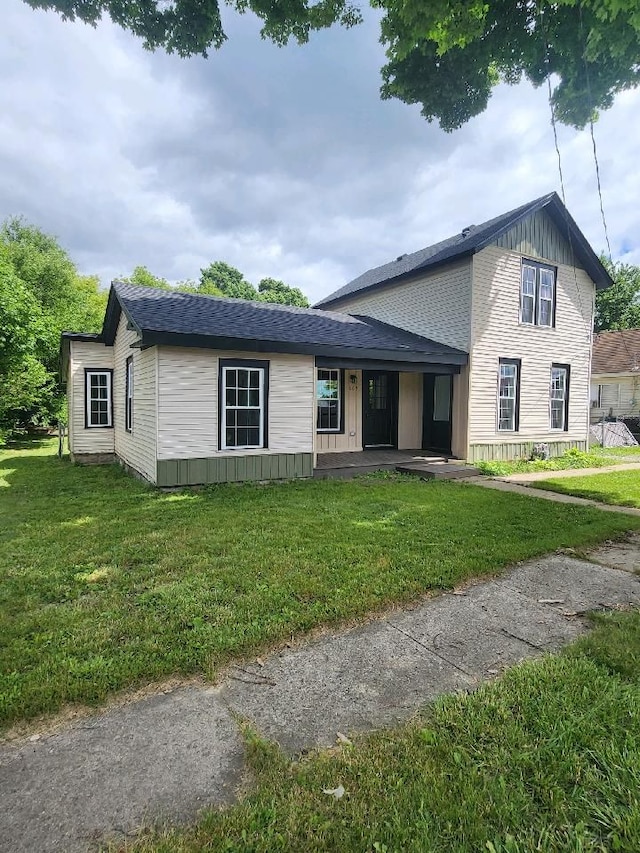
column 438, row 470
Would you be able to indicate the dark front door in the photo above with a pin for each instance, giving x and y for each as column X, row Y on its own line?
column 436, row 422
column 379, row 408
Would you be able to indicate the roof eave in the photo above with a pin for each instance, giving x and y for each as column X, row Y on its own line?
column 151, row 338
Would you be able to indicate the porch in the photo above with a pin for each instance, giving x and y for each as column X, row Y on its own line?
column 420, row 462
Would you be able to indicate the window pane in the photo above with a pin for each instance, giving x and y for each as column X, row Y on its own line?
column 507, row 389
column 545, row 314
column 230, row 438
column 507, row 413
column 231, row 378
column 528, row 304
column 254, row 398
column 243, row 379
column 328, row 399
column 232, row 398
column 441, row 398
column 254, row 379
column 231, row 417
column 243, row 396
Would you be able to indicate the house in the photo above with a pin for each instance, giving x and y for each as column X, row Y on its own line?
column 615, row 375
column 478, row 347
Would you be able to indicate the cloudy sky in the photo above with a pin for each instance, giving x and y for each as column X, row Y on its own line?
column 283, row 162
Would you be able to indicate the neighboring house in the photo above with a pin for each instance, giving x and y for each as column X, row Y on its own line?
column 477, row 347
column 615, row 375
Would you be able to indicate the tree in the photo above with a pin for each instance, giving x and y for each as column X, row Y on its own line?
column 23, row 379
column 618, row 307
column 446, row 55
column 221, row 279
column 41, row 295
column 143, row 278
column 272, row 290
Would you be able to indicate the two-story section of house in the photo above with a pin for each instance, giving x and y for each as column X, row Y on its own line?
column 517, row 294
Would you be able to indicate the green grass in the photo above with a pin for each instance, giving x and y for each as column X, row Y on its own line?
column 570, row 459
column 618, row 487
column 547, row 758
column 632, row 454
column 106, row 583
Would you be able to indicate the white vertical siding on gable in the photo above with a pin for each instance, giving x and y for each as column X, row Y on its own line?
column 188, row 403
column 497, row 333
column 436, row 305
column 83, row 355
column 138, row 447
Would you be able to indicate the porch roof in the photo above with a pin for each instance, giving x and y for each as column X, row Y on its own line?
column 171, row 318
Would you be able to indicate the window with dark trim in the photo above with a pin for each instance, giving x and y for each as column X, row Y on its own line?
column 509, row 395
column 538, row 294
column 128, row 394
column 98, row 398
column 329, row 400
column 244, row 394
column 559, row 397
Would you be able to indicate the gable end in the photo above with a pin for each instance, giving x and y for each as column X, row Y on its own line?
column 538, row 237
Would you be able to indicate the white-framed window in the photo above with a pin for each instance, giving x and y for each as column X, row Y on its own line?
column 509, row 395
column 98, row 398
column 329, row 393
column 128, row 394
column 537, row 294
column 243, row 409
column 559, row 397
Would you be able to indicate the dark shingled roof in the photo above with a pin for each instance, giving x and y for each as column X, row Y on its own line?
column 471, row 240
column 616, row 352
column 185, row 319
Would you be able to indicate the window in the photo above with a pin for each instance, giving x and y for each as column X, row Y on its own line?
column 243, row 403
column 128, row 394
column 606, row 396
column 559, row 397
column 99, row 406
column 509, row 394
column 537, row 294
column 329, row 394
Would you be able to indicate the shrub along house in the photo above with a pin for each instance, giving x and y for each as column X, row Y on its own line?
column 477, row 347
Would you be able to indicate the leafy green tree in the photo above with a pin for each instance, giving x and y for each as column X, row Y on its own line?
column 221, row 279
column 143, row 278
column 618, row 307
column 23, row 379
column 272, row 290
column 42, row 295
column 446, row 55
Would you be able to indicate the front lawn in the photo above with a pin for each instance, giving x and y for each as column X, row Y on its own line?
column 106, row 583
column 547, row 758
column 618, row 487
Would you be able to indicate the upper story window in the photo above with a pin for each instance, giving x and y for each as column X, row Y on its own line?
column 243, row 403
column 128, row 394
column 559, row 397
column 509, row 395
column 329, row 394
column 537, row 294
column 98, row 398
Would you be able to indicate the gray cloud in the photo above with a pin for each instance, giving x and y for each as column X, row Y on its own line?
column 283, row 162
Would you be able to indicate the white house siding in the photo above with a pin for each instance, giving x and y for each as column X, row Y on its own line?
column 83, row 441
column 497, row 333
column 410, row 411
column 619, row 397
column 188, row 403
column 351, row 438
column 137, row 448
column 436, row 305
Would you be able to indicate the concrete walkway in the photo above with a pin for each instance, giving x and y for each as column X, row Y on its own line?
column 533, row 476
column 170, row 754
column 524, row 487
